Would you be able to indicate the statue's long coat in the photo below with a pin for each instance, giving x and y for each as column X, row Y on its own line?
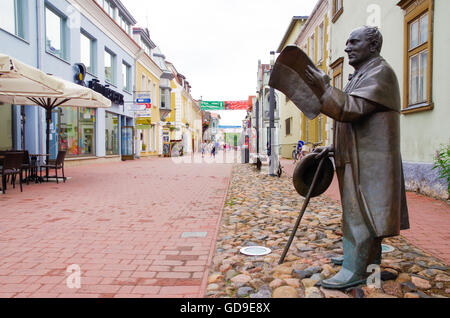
column 367, row 137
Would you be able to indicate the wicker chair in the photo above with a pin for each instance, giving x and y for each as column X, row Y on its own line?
column 58, row 164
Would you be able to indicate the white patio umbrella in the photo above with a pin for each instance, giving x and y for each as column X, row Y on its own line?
column 19, row 78
column 72, row 94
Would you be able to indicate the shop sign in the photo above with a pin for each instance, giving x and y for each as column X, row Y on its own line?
column 114, row 96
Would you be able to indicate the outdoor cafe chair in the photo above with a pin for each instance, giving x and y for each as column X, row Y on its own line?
column 58, row 164
column 26, row 166
column 12, row 166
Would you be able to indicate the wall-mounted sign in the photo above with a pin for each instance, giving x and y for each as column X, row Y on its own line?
column 143, row 99
column 114, row 96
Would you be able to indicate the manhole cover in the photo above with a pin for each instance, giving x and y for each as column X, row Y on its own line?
column 386, row 248
column 255, row 250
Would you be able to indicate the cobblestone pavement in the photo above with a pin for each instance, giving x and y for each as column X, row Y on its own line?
column 143, row 228
column 429, row 218
column 261, row 210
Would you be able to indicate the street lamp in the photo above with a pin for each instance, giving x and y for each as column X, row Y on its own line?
column 272, row 152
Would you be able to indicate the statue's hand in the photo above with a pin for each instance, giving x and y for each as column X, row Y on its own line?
column 318, row 79
column 322, row 152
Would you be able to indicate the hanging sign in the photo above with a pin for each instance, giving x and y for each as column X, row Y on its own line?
column 211, row 105
column 237, row 105
column 229, row 105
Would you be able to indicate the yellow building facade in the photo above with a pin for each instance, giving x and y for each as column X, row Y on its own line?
column 314, row 40
column 290, row 115
column 148, row 120
column 311, row 34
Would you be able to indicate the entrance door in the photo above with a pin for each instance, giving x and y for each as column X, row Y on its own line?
column 127, row 142
column 54, row 138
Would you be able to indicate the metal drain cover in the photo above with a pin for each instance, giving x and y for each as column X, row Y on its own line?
column 255, row 250
column 387, row 248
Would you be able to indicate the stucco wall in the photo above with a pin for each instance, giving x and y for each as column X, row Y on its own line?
column 423, row 132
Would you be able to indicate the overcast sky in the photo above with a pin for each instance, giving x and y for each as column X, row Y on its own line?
column 216, row 44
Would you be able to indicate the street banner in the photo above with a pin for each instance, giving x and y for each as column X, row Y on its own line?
column 237, row 105
column 211, row 105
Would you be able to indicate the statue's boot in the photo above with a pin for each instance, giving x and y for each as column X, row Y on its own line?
column 339, row 260
column 343, row 279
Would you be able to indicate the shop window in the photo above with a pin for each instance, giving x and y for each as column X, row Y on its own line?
column 87, row 131
column 68, row 131
column 337, row 9
column 77, row 131
column 55, row 33
column 110, row 62
column 417, row 55
column 11, row 17
column 88, row 52
column 112, row 133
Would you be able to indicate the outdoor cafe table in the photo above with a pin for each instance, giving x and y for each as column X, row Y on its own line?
column 34, row 167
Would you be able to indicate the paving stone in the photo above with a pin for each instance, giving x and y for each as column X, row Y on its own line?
column 262, row 217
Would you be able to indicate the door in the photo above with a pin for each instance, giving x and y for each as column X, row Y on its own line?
column 54, row 137
column 127, row 135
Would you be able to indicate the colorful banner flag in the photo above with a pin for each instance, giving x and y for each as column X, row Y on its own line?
column 211, row 105
column 237, row 105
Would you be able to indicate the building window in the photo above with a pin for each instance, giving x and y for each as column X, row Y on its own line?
column 88, row 52
column 143, row 82
column 337, row 9
column 321, row 41
column 126, row 76
column 312, row 48
column 111, row 133
column 11, row 17
column 165, row 98
column 320, row 123
column 337, row 76
column 110, row 67
column 288, row 126
column 55, row 31
column 418, row 55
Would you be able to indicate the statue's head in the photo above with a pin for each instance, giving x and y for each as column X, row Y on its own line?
column 363, row 44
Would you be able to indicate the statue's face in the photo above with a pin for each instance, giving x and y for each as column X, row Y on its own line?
column 358, row 48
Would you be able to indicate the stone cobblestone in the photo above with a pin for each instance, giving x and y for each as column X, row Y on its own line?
column 261, row 210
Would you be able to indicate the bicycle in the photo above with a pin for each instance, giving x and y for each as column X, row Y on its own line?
column 298, row 154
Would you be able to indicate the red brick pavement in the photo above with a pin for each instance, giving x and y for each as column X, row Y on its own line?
column 429, row 219
column 144, row 228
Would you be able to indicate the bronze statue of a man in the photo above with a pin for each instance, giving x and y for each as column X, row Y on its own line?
column 367, row 154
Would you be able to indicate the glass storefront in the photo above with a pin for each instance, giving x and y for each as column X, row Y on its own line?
column 6, row 126
column 112, row 133
column 77, row 131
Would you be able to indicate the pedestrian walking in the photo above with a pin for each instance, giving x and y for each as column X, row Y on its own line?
column 203, row 147
column 213, row 151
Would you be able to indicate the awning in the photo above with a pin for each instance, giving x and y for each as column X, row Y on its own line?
column 19, row 78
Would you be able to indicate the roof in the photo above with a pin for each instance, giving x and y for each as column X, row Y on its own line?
column 145, row 36
column 291, row 26
column 126, row 14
